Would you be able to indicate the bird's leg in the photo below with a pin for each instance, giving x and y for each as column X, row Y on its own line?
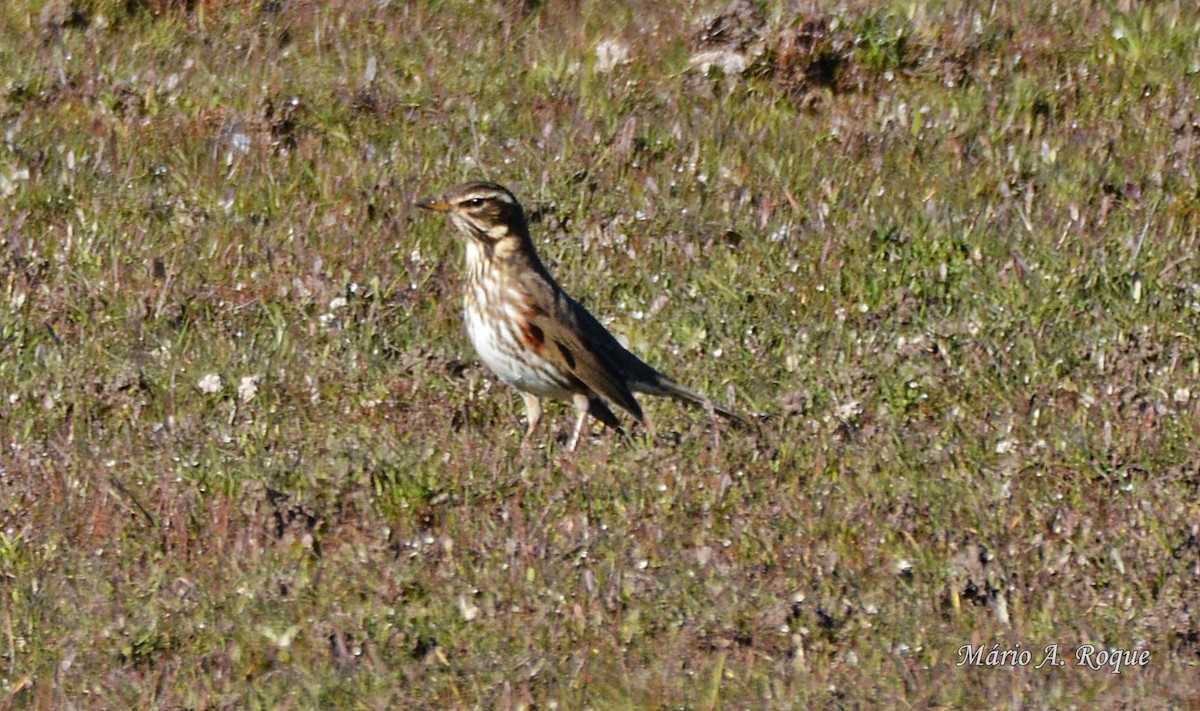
column 712, row 419
column 533, row 414
column 582, row 405
column 649, row 427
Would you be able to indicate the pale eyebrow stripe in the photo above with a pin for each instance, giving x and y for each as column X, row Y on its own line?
column 494, row 194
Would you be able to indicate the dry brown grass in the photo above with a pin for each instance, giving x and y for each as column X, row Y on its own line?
column 946, row 254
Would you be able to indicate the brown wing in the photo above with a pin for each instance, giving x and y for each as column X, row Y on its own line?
column 573, row 340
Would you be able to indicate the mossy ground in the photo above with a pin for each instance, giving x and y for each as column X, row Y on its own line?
column 947, row 256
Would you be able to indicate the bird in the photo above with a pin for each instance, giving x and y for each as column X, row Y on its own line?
column 534, row 336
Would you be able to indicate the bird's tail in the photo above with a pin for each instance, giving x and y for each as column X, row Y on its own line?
column 662, row 385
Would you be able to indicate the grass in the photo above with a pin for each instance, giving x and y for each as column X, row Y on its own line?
column 945, row 255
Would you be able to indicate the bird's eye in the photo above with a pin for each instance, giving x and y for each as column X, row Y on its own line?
column 474, row 202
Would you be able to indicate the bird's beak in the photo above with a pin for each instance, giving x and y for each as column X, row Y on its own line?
column 437, row 204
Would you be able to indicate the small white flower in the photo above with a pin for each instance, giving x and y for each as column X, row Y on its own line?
column 728, row 62
column 210, row 384
column 611, row 54
column 849, row 410
column 248, row 387
column 467, row 608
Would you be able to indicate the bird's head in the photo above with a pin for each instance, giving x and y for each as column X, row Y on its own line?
column 487, row 213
